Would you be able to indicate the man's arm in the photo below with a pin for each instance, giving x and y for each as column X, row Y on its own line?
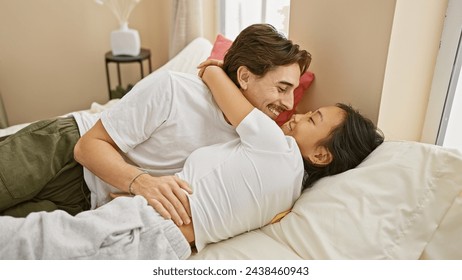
column 98, row 152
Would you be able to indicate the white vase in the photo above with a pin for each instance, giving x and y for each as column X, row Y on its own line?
column 125, row 41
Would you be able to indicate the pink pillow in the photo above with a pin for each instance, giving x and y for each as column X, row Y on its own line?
column 221, row 46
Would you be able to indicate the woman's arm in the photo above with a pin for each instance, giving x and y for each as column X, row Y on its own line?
column 228, row 97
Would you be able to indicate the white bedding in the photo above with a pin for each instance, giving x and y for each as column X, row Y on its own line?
column 403, row 202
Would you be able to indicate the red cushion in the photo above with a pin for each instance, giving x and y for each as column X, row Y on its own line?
column 222, row 45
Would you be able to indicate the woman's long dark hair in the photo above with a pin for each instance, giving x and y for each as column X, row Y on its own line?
column 350, row 143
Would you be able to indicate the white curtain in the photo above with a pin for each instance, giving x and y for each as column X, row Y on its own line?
column 186, row 25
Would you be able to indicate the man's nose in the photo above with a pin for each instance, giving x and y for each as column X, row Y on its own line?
column 288, row 100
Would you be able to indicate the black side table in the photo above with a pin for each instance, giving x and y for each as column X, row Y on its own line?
column 145, row 54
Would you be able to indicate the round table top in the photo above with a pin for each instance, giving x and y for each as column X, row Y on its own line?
column 144, row 54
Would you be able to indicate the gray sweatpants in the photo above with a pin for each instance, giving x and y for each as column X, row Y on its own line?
column 125, row 228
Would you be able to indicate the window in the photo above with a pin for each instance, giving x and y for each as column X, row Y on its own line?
column 450, row 134
column 444, row 118
column 235, row 15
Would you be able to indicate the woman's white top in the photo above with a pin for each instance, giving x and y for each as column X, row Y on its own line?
column 242, row 184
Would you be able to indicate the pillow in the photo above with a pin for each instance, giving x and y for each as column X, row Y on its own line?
column 446, row 242
column 389, row 207
column 189, row 57
column 392, row 206
column 221, row 46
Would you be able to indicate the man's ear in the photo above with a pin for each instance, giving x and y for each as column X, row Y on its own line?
column 243, row 76
column 321, row 156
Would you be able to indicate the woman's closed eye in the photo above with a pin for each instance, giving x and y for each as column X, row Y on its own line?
column 318, row 115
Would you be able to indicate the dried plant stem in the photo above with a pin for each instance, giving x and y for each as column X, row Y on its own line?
column 120, row 8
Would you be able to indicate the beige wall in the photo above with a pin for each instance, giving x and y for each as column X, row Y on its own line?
column 349, row 43
column 377, row 55
column 52, row 53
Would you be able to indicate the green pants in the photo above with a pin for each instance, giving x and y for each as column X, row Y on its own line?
column 38, row 171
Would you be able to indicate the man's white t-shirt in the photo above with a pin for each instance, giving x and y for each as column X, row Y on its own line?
column 157, row 125
column 242, row 184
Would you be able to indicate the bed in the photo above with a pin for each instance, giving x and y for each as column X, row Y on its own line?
column 404, row 201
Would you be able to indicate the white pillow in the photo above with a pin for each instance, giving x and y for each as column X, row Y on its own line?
column 446, row 243
column 197, row 51
column 389, row 207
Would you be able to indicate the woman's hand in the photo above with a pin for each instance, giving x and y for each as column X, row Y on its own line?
column 208, row 62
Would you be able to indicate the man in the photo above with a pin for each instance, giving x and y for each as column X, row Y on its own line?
column 153, row 129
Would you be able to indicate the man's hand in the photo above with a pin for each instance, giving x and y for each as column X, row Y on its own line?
column 98, row 152
column 166, row 195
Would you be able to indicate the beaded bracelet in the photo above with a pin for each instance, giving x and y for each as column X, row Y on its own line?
column 133, row 180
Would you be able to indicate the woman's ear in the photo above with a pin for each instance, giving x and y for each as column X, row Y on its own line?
column 321, row 156
column 243, row 77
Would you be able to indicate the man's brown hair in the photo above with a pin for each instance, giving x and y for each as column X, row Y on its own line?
column 261, row 48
